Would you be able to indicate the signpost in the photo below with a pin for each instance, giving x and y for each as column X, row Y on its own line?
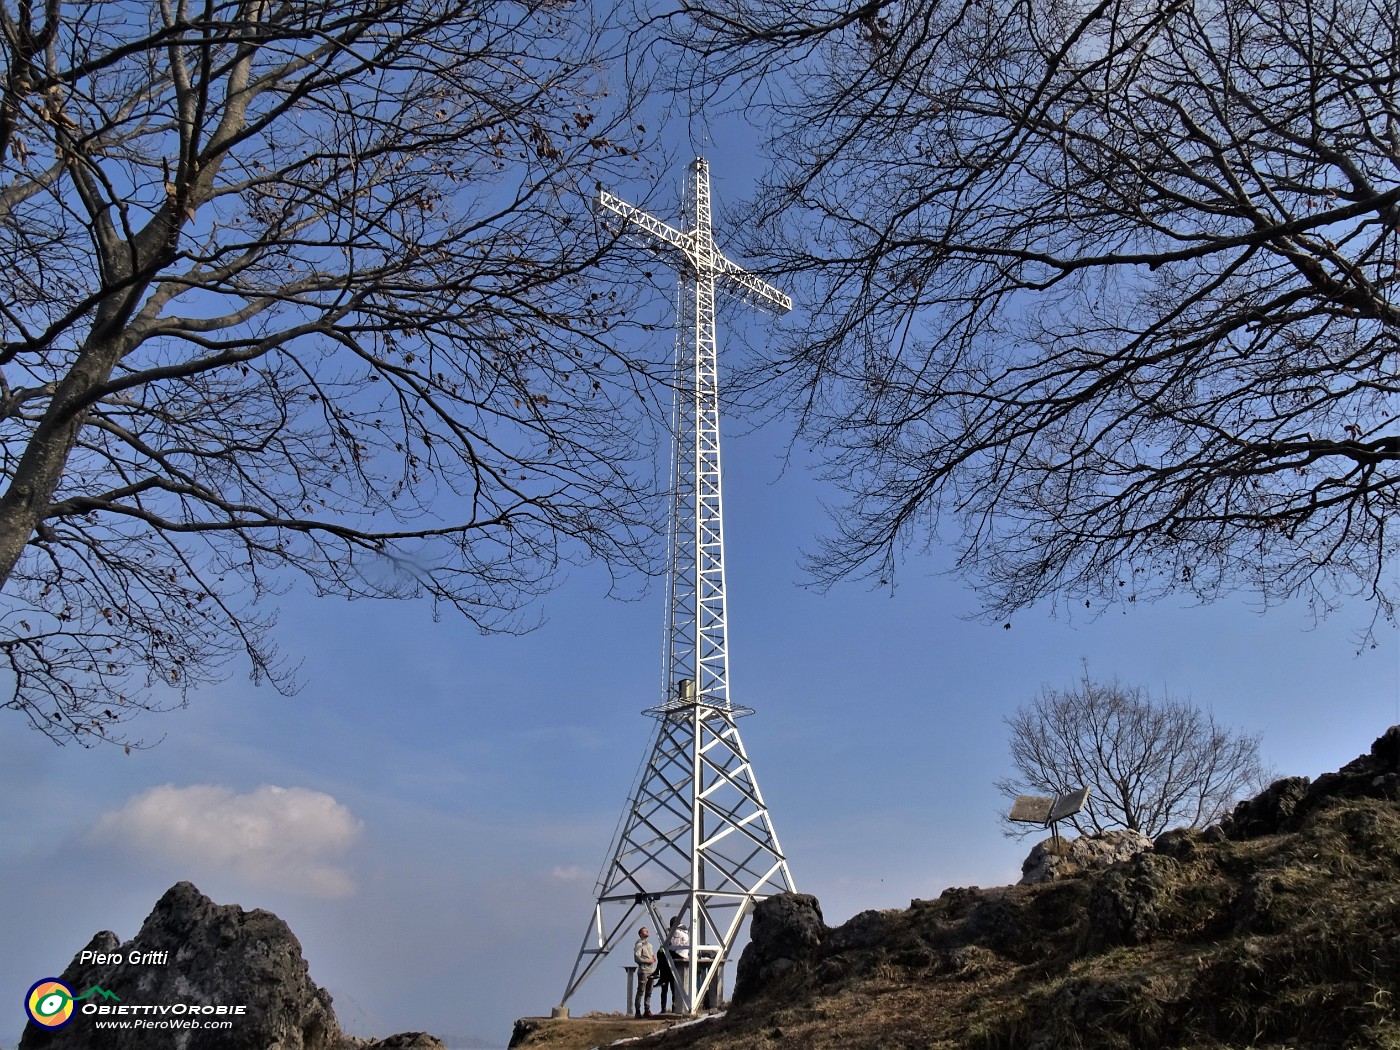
column 1048, row 812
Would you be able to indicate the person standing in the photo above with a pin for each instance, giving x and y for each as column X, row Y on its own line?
column 673, row 961
column 644, row 955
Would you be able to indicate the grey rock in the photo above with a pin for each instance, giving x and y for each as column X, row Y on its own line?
column 960, row 900
column 405, row 1041
column 1373, row 775
column 190, row 958
column 786, row 929
column 863, row 930
column 1087, row 853
column 1269, row 812
column 192, row 955
column 1284, row 804
column 1126, row 902
column 999, row 922
column 1180, row 843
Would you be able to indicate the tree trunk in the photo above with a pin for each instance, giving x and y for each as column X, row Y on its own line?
column 26, row 501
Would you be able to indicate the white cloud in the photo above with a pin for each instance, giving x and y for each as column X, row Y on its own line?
column 573, row 873
column 273, row 836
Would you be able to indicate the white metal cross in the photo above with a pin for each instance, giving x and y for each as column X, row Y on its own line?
column 696, row 645
column 696, row 836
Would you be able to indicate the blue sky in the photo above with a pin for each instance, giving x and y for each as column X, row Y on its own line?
column 465, row 788
column 430, row 813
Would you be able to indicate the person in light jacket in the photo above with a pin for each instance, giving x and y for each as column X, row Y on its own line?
column 671, row 972
column 644, row 954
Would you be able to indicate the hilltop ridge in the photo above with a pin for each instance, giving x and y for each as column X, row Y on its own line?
column 1280, row 927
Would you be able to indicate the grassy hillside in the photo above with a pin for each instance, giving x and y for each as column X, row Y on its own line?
column 1280, row 928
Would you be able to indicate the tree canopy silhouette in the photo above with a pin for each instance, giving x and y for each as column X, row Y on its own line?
column 297, row 286
column 1108, row 290
column 1150, row 763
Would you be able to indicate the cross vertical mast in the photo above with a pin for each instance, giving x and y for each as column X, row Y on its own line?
column 696, row 836
column 698, row 651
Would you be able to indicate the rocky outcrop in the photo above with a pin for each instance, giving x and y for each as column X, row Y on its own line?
column 785, row 930
column 1285, row 803
column 201, row 976
column 1049, row 860
column 1276, row 929
column 401, row 1041
column 1272, row 809
column 1126, row 903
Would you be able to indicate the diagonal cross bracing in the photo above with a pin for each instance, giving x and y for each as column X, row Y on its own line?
column 696, row 839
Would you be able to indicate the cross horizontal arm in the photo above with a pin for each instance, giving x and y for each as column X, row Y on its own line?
column 758, row 292
column 738, row 280
column 654, row 226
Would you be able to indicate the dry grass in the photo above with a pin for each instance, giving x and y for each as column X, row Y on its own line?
column 579, row 1033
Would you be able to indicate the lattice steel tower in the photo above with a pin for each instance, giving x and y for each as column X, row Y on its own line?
column 696, row 835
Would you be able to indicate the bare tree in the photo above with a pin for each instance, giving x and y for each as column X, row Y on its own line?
column 1150, row 763
column 297, row 286
column 1109, row 289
